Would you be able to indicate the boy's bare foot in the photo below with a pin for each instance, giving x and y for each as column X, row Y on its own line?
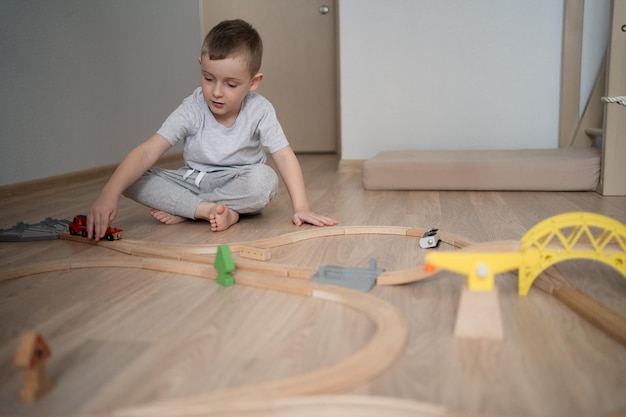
column 165, row 217
column 220, row 216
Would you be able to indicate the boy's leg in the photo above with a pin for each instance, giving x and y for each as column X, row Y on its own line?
column 246, row 189
column 220, row 198
column 167, row 191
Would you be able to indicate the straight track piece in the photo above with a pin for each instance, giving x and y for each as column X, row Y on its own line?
column 286, row 285
column 183, row 268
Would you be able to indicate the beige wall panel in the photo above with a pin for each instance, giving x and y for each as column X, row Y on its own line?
column 299, row 63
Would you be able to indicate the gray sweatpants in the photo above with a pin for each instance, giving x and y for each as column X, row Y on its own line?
column 244, row 189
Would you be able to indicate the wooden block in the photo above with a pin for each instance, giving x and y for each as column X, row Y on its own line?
column 251, row 252
column 30, row 356
column 36, row 383
column 479, row 316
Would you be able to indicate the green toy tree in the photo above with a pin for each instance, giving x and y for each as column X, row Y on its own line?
column 224, row 265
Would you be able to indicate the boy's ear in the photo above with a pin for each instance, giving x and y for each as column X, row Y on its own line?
column 200, row 60
column 256, row 80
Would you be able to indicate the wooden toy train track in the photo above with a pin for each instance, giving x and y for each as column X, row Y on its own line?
column 198, row 253
column 288, row 396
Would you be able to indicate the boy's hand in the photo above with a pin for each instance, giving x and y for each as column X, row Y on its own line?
column 100, row 217
column 301, row 217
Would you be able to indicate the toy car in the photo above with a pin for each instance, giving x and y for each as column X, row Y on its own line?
column 429, row 239
column 79, row 226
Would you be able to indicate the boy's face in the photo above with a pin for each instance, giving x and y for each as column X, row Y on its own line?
column 225, row 83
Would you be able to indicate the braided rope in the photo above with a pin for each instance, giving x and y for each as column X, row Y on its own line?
column 619, row 100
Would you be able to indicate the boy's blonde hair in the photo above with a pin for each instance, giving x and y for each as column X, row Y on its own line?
column 232, row 38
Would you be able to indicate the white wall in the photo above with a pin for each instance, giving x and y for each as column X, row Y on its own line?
column 453, row 74
column 595, row 40
column 83, row 81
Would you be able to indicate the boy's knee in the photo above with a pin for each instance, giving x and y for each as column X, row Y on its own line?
column 265, row 181
column 263, row 186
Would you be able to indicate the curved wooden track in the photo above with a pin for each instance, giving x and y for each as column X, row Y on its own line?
column 322, row 405
column 598, row 314
column 197, row 253
column 300, row 395
column 381, row 351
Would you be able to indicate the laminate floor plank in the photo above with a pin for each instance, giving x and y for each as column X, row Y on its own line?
column 123, row 337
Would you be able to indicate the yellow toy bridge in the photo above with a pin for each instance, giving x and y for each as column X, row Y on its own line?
column 577, row 235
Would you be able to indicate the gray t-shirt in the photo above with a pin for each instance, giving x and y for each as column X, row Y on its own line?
column 210, row 146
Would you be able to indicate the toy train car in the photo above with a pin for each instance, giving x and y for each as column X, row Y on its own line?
column 79, row 227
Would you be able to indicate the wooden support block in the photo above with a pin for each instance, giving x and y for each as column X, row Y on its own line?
column 36, row 383
column 30, row 356
column 479, row 316
column 251, row 252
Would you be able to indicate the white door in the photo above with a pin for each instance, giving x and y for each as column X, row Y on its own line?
column 299, row 63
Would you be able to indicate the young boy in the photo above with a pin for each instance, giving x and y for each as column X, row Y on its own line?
column 224, row 125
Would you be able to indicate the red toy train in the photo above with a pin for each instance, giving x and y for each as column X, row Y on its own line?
column 79, row 226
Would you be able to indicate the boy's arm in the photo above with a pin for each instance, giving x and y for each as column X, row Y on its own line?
column 291, row 173
column 104, row 209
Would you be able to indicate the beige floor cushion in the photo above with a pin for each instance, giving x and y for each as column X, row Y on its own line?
column 563, row 169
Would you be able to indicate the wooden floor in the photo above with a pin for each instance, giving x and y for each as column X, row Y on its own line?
column 127, row 337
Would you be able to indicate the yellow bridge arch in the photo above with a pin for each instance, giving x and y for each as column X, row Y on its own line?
column 577, row 235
